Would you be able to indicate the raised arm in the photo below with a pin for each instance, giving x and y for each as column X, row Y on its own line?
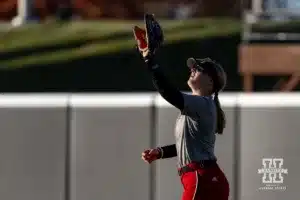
column 149, row 40
column 162, row 85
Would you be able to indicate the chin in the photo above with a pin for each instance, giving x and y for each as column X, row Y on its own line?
column 190, row 83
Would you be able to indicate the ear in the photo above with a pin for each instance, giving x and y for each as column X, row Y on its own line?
column 211, row 82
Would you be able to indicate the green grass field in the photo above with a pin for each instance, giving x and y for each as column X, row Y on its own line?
column 77, row 40
column 53, row 42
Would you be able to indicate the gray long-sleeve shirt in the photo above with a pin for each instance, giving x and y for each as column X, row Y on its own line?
column 195, row 125
column 195, row 130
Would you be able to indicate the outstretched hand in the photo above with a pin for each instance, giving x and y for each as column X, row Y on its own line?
column 149, row 39
column 150, row 155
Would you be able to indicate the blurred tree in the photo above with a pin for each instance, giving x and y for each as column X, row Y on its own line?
column 123, row 9
column 220, row 8
column 45, row 8
column 87, row 9
column 64, row 11
column 95, row 9
column 8, row 9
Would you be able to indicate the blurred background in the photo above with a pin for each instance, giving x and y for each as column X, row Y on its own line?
column 78, row 107
column 87, row 45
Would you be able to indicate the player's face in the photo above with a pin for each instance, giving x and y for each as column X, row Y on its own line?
column 194, row 78
column 199, row 80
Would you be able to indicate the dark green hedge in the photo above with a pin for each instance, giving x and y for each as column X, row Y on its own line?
column 124, row 71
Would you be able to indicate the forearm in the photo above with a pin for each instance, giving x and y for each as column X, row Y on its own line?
column 166, row 90
column 168, row 151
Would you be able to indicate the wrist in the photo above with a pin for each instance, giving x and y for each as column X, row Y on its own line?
column 151, row 63
column 168, row 151
column 160, row 152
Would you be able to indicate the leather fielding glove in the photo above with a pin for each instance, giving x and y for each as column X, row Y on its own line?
column 149, row 39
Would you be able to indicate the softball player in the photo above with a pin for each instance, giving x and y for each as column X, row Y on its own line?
column 201, row 118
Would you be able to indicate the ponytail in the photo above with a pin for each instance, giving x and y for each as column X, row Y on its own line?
column 221, row 121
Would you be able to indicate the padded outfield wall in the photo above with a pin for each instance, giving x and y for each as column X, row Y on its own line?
column 79, row 147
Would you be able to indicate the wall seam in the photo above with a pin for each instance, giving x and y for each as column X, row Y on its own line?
column 237, row 152
column 67, row 178
column 153, row 143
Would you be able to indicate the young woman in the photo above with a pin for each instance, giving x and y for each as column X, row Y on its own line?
column 200, row 119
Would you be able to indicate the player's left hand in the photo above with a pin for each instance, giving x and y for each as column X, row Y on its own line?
column 149, row 39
